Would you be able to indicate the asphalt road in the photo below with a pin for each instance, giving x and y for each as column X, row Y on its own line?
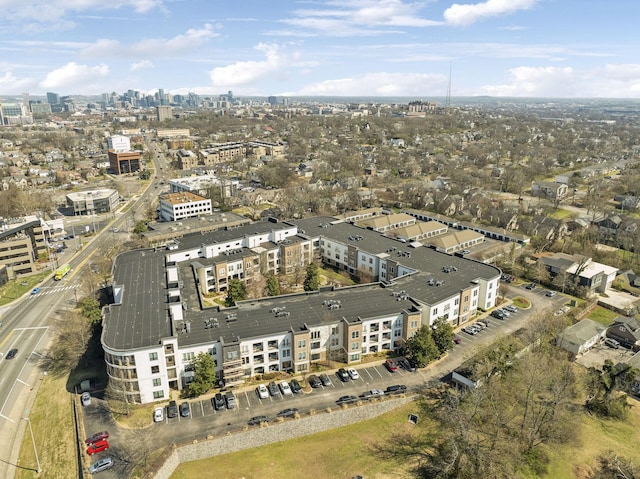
column 26, row 325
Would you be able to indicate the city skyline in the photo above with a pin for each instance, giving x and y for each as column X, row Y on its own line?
column 511, row 48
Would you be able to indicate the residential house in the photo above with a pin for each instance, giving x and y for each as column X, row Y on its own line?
column 625, row 330
column 595, row 277
column 579, row 338
column 549, row 189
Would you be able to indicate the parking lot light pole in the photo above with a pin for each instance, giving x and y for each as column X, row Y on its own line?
column 34, row 444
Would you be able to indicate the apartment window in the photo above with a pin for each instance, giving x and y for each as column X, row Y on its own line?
column 286, row 353
column 457, row 301
column 186, row 357
column 391, row 269
column 414, row 324
column 157, row 382
column 315, row 345
column 334, row 342
column 302, row 356
column 315, row 334
column 158, row 394
column 355, row 334
column 397, row 333
column 315, row 357
column 354, row 357
column 155, row 369
column 153, row 356
column 212, row 351
column 475, row 293
column 355, row 346
column 334, row 330
column 302, row 343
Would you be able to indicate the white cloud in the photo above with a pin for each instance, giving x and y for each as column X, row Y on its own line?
column 466, row 14
column 143, row 65
column 52, row 11
column 357, row 17
column 537, row 82
column 151, row 47
column 608, row 81
column 276, row 63
column 380, row 84
column 10, row 84
column 75, row 77
column 246, row 72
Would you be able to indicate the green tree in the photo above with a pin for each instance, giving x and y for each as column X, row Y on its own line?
column 236, row 292
column 204, row 367
column 312, row 281
column 442, row 334
column 273, row 287
column 140, row 227
column 421, row 347
column 90, row 308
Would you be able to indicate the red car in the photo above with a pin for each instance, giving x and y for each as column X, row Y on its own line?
column 98, row 446
column 96, row 437
column 391, row 365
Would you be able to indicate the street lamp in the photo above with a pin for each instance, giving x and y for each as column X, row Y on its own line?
column 34, row 444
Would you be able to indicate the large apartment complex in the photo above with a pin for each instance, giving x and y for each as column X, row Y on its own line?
column 158, row 322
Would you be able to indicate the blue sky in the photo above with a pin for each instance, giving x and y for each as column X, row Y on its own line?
column 516, row 48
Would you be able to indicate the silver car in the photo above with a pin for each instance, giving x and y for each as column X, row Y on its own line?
column 101, row 465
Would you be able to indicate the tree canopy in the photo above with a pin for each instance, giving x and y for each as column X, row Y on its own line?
column 312, row 281
column 204, row 367
column 236, row 292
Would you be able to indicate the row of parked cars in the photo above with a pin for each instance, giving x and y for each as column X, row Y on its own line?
column 97, row 443
column 504, row 312
column 367, row 395
column 273, row 389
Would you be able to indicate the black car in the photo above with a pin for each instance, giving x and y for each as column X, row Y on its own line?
column 314, row 381
column 498, row 314
column 185, row 409
column 295, row 386
column 406, row 364
column 289, row 412
column 396, row 389
column 273, row 389
column 257, row 420
column 172, row 409
column 325, row 379
column 343, row 375
column 346, row 400
column 11, row 354
column 218, row 402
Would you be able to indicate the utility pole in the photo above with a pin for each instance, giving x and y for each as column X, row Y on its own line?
column 34, row 444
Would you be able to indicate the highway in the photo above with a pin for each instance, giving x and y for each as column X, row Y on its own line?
column 27, row 325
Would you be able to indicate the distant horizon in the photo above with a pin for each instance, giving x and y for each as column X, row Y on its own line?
column 361, row 98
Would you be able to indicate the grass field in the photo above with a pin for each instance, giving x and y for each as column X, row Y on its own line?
column 54, row 433
column 602, row 315
column 338, row 453
column 345, row 452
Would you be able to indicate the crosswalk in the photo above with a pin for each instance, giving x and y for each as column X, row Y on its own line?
column 53, row 290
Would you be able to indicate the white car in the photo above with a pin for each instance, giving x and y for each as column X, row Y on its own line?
column 262, row 392
column 158, row 414
column 86, row 399
column 285, row 388
column 353, row 374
